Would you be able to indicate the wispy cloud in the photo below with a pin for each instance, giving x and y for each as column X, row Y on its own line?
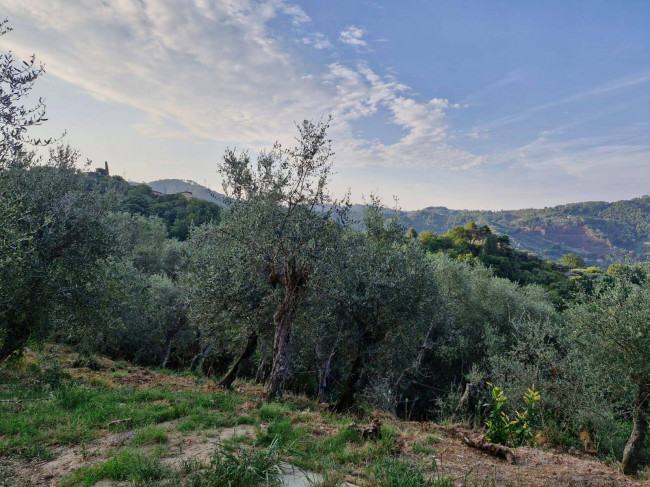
column 622, row 154
column 353, row 36
column 298, row 15
column 514, row 76
column 216, row 70
column 602, row 89
column 317, row 41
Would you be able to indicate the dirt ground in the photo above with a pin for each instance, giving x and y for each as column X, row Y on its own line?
column 196, row 446
column 534, row 467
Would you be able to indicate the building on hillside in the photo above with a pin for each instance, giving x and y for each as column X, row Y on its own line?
column 100, row 171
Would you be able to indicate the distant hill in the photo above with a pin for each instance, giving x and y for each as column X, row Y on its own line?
column 171, row 186
column 598, row 231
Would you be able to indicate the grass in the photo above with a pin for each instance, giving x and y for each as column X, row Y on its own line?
column 128, row 465
column 237, row 466
column 150, row 435
column 391, row 472
column 86, row 412
column 79, row 411
column 274, row 411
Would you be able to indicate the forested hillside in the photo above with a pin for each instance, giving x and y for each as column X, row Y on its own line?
column 598, row 231
column 601, row 233
column 171, row 186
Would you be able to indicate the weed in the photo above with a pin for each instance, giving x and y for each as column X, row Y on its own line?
column 391, row 472
column 35, row 451
column 433, row 438
column 128, row 465
column 240, row 467
column 517, row 432
column 150, row 435
column 419, row 448
column 273, row 411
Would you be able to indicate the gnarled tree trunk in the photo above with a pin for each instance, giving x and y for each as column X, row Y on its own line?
column 283, row 320
column 231, row 375
column 632, row 455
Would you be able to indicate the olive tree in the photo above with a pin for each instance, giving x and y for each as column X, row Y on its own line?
column 613, row 329
column 16, row 82
column 64, row 231
column 278, row 213
column 229, row 302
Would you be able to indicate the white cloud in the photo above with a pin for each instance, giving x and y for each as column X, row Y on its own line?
column 297, row 14
column 361, row 92
column 620, row 155
column 478, row 134
column 215, row 70
column 353, row 36
column 317, row 41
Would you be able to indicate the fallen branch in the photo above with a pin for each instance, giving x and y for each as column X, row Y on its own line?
column 493, row 449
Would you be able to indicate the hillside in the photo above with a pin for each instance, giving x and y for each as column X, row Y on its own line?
column 598, row 231
column 98, row 422
column 172, row 186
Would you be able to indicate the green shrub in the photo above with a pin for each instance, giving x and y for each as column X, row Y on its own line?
column 516, row 432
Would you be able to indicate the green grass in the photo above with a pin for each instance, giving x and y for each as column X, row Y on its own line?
column 274, row 411
column 150, row 435
column 433, row 438
column 391, row 472
column 127, row 465
column 420, row 448
column 238, row 466
column 77, row 412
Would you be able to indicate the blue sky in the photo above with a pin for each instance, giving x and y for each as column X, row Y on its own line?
column 473, row 104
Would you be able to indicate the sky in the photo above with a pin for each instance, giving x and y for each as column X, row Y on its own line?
column 469, row 105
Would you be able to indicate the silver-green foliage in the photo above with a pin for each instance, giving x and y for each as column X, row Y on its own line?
column 613, row 331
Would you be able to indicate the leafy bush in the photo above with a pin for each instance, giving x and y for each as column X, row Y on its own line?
column 516, row 432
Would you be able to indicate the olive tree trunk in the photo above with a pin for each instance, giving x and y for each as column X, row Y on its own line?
column 231, row 375
column 283, row 320
column 632, row 455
